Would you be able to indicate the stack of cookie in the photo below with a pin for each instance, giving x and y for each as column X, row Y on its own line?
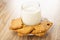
column 40, row 29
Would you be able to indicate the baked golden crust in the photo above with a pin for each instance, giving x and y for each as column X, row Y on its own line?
column 22, row 29
column 40, row 34
column 42, row 27
column 25, row 30
column 47, row 24
column 20, row 34
column 16, row 23
column 39, row 29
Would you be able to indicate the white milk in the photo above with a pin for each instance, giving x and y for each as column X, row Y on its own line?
column 31, row 15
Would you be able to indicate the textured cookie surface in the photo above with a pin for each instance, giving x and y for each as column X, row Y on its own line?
column 16, row 23
column 25, row 30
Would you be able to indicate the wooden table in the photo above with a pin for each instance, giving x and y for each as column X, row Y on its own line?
column 6, row 34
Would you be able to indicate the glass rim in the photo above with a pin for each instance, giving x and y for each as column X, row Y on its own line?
column 30, row 3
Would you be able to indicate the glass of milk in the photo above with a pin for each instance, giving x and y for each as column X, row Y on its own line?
column 31, row 14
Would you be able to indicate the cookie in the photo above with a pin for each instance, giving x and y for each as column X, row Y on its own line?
column 46, row 24
column 42, row 27
column 40, row 34
column 20, row 34
column 25, row 30
column 38, row 29
column 16, row 23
